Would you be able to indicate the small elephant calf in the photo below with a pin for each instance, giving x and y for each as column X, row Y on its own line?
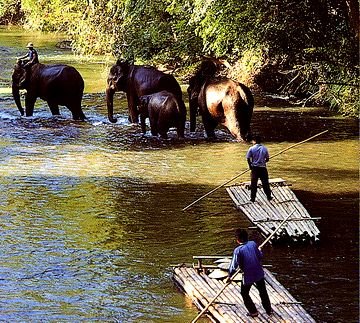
column 164, row 111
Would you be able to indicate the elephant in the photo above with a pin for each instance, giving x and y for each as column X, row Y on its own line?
column 56, row 84
column 164, row 111
column 136, row 81
column 220, row 101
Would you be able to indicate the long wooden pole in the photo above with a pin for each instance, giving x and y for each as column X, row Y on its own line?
column 238, row 270
column 245, row 171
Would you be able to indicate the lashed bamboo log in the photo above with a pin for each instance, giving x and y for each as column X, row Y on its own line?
column 206, row 290
column 189, row 287
column 225, row 297
column 284, row 200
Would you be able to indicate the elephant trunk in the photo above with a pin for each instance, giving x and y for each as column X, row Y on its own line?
column 110, row 103
column 246, row 134
column 16, row 96
column 193, row 113
column 244, row 118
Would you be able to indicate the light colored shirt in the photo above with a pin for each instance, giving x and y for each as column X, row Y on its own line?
column 248, row 257
column 258, row 155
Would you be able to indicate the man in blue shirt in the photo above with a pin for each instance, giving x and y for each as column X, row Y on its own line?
column 257, row 157
column 31, row 56
column 248, row 257
column 28, row 60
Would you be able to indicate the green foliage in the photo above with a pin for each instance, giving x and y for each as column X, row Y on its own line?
column 145, row 31
column 343, row 95
column 10, row 11
column 53, row 15
column 281, row 45
column 227, row 27
column 94, row 32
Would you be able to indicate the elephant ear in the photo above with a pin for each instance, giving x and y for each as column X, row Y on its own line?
column 18, row 74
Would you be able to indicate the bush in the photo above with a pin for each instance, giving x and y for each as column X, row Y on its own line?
column 10, row 12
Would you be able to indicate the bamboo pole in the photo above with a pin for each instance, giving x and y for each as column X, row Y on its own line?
column 229, row 282
column 245, row 171
column 215, row 189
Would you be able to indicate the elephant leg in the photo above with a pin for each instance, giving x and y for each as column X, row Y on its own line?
column 193, row 113
column 180, row 131
column 154, row 127
column 29, row 105
column 143, row 124
column 209, row 125
column 153, row 117
column 133, row 109
column 180, row 127
column 54, row 108
column 163, row 128
column 78, row 115
column 163, row 132
column 76, row 111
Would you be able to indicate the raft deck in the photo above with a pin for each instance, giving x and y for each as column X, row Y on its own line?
column 267, row 215
column 229, row 306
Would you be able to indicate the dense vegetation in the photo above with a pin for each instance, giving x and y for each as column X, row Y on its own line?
column 306, row 48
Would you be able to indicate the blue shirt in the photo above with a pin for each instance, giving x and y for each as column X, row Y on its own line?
column 258, row 155
column 248, row 257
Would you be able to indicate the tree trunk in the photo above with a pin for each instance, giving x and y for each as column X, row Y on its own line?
column 353, row 16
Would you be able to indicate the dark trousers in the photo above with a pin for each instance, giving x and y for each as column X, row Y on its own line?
column 249, row 304
column 262, row 173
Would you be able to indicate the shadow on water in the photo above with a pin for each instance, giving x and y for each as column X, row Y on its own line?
column 97, row 248
column 322, row 274
column 102, row 248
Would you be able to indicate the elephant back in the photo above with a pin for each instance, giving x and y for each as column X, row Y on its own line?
column 57, row 80
column 149, row 80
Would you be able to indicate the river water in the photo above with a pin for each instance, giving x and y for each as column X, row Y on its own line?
column 91, row 212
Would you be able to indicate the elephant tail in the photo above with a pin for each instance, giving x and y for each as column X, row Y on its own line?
column 246, row 95
column 246, row 110
column 180, row 116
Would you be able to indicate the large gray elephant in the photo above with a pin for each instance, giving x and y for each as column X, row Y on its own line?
column 55, row 84
column 136, row 81
column 164, row 111
column 220, row 101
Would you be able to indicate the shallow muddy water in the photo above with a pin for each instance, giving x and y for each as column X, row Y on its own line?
column 91, row 218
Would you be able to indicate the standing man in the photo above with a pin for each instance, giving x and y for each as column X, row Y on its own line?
column 257, row 157
column 248, row 257
column 30, row 58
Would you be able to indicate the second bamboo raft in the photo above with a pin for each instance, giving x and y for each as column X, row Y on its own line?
column 229, row 307
column 267, row 215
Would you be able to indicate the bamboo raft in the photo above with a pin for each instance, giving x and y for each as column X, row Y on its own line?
column 266, row 215
column 229, row 307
